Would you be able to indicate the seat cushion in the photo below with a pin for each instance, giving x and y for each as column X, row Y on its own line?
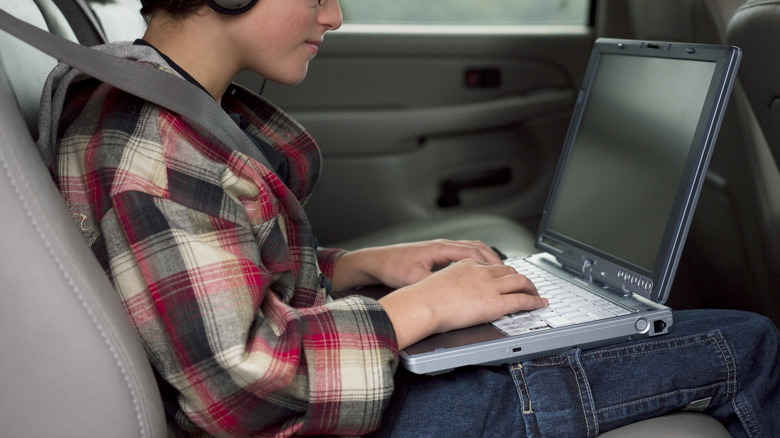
column 679, row 425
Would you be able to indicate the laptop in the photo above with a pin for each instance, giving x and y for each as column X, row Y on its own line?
column 618, row 211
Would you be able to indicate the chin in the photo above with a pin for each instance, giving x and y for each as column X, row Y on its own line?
column 292, row 78
column 295, row 82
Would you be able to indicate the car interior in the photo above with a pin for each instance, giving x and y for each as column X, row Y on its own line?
column 451, row 134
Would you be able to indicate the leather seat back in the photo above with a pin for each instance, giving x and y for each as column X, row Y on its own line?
column 756, row 29
column 72, row 364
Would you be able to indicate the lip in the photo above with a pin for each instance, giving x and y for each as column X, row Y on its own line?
column 314, row 45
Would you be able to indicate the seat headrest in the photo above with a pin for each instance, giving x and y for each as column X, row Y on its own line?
column 24, row 67
column 120, row 19
column 698, row 21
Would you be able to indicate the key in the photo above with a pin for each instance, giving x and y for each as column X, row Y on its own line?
column 558, row 321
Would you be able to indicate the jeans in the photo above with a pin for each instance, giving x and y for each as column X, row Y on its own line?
column 723, row 363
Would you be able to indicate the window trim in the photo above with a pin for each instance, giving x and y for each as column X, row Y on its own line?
column 590, row 20
column 464, row 29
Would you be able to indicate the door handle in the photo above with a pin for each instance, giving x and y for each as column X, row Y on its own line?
column 450, row 188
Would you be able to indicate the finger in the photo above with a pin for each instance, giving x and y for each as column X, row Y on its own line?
column 515, row 283
column 446, row 253
column 524, row 301
column 501, row 270
column 418, row 273
column 471, row 249
column 492, row 255
column 521, row 291
column 486, row 253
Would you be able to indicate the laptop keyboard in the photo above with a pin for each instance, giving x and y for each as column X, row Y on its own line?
column 569, row 304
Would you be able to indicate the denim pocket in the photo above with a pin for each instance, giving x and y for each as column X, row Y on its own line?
column 582, row 393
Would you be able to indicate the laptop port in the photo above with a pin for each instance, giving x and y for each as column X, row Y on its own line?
column 659, row 326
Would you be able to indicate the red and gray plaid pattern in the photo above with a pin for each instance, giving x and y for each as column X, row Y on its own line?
column 216, row 265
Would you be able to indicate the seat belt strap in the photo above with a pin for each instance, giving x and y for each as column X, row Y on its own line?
column 85, row 24
column 150, row 84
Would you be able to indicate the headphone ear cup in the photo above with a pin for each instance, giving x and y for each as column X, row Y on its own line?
column 231, row 7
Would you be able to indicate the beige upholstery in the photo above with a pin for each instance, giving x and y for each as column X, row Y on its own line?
column 505, row 234
column 120, row 19
column 680, row 425
column 72, row 364
column 756, row 29
column 702, row 21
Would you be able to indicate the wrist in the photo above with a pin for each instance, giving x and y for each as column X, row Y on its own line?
column 350, row 271
column 412, row 318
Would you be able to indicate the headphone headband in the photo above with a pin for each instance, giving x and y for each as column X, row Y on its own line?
column 231, row 7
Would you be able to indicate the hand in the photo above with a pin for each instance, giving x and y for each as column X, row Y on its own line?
column 402, row 265
column 465, row 294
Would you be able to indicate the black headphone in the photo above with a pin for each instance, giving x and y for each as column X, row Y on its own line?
column 231, row 7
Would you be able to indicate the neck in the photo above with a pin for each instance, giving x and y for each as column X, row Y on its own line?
column 195, row 45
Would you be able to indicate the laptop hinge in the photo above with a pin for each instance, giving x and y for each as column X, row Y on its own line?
column 587, row 270
column 595, row 278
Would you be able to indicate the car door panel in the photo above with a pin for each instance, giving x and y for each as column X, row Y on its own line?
column 370, row 132
column 405, row 119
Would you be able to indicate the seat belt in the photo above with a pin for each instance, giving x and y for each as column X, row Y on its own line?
column 85, row 25
column 150, row 84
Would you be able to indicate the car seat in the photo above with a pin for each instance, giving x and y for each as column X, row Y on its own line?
column 72, row 364
column 726, row 262
column 755, row 28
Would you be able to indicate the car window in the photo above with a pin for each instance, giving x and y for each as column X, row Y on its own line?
column 479, row 12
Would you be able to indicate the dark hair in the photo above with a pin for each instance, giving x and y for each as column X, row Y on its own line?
column 179, row 8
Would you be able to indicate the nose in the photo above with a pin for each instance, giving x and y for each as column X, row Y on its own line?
column 330, row 15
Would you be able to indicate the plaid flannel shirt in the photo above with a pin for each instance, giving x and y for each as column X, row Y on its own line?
column 216, row 265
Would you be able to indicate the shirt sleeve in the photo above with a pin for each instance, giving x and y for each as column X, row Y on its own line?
column 243, row 361
column 206, row 271
column 327, row 258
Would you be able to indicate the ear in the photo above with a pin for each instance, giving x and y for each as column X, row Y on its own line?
column 231, row 7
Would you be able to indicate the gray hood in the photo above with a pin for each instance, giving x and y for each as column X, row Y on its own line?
column 63, row 76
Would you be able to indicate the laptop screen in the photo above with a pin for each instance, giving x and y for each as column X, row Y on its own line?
column 633, row 157
column 633, row 141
